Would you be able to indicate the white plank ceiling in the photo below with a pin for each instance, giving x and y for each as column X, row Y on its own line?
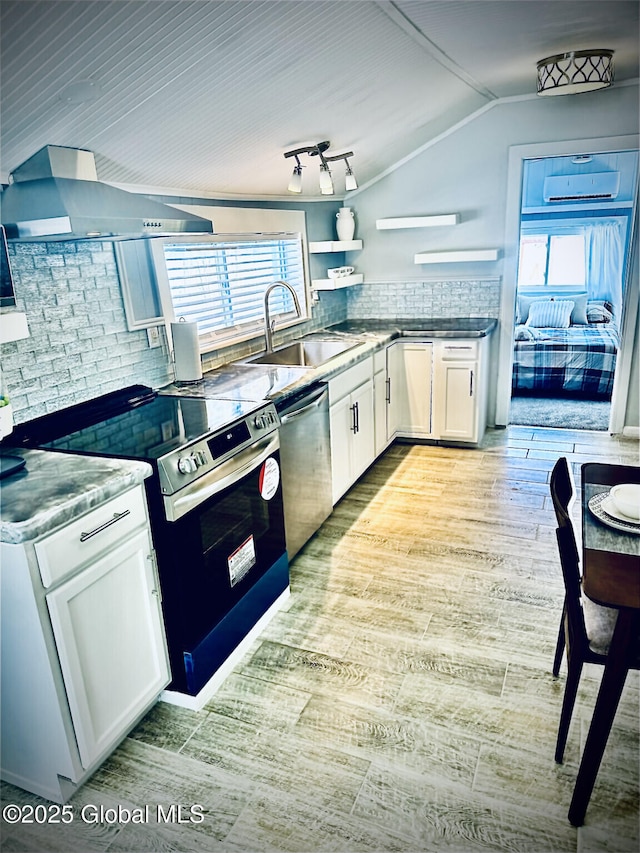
column 205, row 96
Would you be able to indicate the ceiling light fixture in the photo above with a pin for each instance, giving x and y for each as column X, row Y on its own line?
column 295, row 182
column 350, row 182
column 325, row 178
column 578, row 71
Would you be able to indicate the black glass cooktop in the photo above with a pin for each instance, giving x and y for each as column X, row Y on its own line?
column 137, row 426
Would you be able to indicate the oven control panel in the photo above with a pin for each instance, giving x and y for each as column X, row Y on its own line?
column 182, row 467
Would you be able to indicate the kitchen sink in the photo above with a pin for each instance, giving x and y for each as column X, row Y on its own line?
column 310, row 353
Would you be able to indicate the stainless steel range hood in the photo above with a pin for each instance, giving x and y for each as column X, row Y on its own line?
column 56, row 195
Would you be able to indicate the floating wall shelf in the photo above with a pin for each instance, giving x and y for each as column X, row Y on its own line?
column 337, row 283
column 417, row 221
column 460, row 256
column 335, row 246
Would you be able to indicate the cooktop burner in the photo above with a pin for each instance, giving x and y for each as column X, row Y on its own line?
column 136, row 423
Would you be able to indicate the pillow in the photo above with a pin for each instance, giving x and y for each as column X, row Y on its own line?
column 524, row 304
column 578, row 315
column 598, row 313
column 551, row 314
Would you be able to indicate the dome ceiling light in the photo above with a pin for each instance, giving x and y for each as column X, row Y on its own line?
column 575, row 72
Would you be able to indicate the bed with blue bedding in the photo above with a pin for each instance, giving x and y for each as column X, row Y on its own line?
column 578, row 359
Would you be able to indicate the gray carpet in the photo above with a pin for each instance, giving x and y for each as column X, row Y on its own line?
column 560, row 412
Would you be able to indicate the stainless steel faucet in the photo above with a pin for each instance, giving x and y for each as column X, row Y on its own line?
column 269, row 325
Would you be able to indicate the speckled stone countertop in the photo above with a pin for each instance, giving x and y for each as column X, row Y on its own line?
column 429, row 327
column 55, row 488
column 242, row 381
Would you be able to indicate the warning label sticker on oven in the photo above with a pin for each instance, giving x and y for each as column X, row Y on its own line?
column 269, row 479
column 241, row 560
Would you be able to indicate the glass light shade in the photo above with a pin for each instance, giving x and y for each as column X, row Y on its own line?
column 350, row 182
column 295, row 182
column 578, row 71
column 326, row 183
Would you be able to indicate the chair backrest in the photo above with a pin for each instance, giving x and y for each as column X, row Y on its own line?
column 571, row 574
column 562, row 491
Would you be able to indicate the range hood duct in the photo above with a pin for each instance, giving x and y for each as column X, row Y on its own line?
column 56, row 195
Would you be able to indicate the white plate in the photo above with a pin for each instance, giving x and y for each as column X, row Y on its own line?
column 626, row 494
column 611, row 508
column 601, row 506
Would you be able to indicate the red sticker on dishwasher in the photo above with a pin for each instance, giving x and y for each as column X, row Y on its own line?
column 269, row 479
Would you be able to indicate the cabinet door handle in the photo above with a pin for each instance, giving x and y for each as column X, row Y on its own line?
column 116, row 517
column 388, row 395
column 354, row 426
column 357, row 417
column 471, row 383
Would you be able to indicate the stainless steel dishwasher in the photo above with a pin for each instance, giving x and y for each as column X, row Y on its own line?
column 305, row 458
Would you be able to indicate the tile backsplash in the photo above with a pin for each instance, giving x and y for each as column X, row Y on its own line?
column 80, row 347
column 405, row 300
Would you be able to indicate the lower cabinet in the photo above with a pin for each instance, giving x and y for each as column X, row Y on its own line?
column 351, row 418
column 460, row 390
column 83, row 645
column 108, row 631
column 424, row 389
column 409, row 367
column 380, row 396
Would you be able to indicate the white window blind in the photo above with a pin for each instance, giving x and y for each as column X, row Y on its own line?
column 220, row 283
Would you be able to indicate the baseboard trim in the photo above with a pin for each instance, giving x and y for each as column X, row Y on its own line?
column 631, row 432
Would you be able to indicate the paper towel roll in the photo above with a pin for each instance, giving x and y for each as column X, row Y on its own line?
column 186, row 351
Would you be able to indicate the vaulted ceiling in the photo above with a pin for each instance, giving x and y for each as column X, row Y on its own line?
column 205, row 96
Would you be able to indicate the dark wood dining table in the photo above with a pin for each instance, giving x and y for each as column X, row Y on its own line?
column 610, row 577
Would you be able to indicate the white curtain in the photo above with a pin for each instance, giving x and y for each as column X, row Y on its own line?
column 604, row 259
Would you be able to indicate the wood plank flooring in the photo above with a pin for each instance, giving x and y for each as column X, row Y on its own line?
column 404, row 699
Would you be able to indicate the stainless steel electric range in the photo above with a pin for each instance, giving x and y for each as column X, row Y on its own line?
column 215, row 504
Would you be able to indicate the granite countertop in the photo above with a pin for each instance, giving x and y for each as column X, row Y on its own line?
column 429, row 327
column 255, row 382
column 55, row 488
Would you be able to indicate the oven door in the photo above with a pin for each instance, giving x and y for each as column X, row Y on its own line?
column 222, row 562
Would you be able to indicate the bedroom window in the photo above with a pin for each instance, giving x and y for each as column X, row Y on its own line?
column 220, row 283
column 551, row 260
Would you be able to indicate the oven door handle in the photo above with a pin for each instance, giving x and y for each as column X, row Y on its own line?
column 220, row 478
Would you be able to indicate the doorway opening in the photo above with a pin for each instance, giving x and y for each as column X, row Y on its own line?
column 575, row 230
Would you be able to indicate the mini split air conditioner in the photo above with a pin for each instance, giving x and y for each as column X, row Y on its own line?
column 599, row 185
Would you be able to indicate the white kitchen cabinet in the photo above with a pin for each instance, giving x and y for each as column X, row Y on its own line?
column 351, row 420
column 409, row 369
column 85, row 658
column 460, row 390
column 108, row 631
column 380, row 387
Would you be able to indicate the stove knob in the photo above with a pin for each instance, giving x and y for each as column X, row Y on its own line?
column 187, row 465
column 258, row 422
column 201, row 457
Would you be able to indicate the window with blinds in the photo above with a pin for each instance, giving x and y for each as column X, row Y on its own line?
column 220, row 283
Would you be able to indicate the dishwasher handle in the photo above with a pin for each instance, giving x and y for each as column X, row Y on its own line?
column 312, row 401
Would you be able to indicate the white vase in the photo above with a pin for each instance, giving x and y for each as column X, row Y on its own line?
column 345, row 223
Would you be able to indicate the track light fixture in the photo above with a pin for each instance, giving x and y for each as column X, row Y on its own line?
column 325, row 179
column 295, row 182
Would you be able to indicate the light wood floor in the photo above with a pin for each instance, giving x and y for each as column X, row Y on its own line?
column 404, row 701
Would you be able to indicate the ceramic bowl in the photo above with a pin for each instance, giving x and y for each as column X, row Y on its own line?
column 626, row 498
column 339, row 272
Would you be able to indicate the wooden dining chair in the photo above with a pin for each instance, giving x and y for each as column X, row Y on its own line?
column 586, row 627
column 562, row 495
